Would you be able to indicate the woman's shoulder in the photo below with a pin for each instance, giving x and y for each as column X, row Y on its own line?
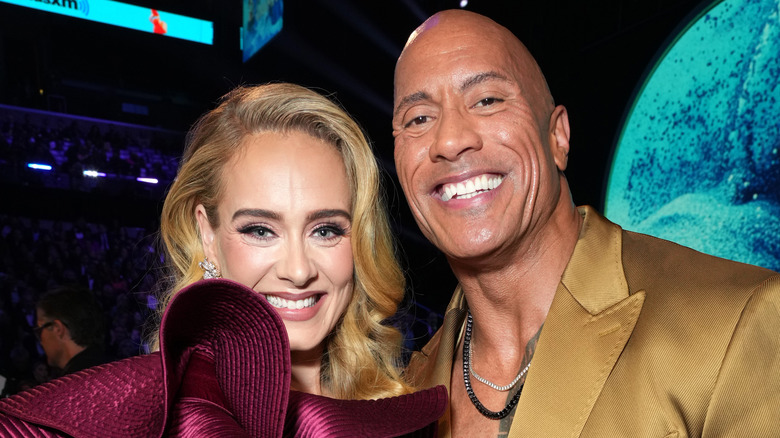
column 123, row 398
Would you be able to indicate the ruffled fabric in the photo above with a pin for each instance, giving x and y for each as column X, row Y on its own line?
column 223, row 370
column 123, row 398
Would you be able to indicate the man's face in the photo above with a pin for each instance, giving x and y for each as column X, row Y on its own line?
column 50, row 342
column 472, row 140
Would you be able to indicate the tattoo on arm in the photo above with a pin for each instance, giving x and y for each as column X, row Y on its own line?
column 506, row 423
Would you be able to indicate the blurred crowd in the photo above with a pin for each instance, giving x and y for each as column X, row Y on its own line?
column 118, row 264
column 121, row 153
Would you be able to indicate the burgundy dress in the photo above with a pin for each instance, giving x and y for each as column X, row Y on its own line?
column 223, row 370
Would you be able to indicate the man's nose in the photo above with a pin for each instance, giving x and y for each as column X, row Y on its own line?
column 296, row 266
column 455, row 136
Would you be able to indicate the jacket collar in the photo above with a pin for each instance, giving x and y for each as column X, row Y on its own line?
column 591, row 318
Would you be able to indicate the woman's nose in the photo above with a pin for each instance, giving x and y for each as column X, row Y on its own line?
column 297, row 266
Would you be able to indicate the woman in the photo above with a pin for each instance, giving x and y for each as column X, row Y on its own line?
column 254, row 138
column 277, row 194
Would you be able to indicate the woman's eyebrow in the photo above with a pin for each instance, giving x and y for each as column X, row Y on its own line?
column 257, row 212
column 322, row 214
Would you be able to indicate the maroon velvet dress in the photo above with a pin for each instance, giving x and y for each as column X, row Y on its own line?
column 223, row 370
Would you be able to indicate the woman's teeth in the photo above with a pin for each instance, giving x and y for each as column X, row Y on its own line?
column 281, row 303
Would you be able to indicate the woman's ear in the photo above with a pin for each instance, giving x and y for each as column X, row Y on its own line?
column 206, row 232
column 559, row 137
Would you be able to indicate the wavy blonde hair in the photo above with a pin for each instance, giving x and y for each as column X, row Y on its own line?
column 361, row 357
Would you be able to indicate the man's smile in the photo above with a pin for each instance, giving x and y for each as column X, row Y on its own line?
column 470, row 187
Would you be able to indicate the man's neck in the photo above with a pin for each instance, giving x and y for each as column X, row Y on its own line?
column 72, row 349
column 515, row 294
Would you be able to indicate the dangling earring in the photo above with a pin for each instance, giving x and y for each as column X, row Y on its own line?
column 210, row 270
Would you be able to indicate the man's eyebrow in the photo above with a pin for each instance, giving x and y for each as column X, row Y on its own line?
column 411, row 99
column 465, row 85
column 257, row 212
column 324, row 214
column 480, row 78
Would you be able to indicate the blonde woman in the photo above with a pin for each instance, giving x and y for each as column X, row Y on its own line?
column 282, row 272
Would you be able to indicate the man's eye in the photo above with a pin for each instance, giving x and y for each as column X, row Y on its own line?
column 488, row 101
column 419, row 120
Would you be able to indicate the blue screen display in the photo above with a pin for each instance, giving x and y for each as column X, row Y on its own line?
column 697, row 160
column 127, row 16
column 262, row 21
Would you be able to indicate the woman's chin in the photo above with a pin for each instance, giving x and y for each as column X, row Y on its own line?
column 306, row 350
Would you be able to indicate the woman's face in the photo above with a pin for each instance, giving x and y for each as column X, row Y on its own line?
column 284, row 231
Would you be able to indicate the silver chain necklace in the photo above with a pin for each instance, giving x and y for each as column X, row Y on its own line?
column 487, row 382
column 467, row 381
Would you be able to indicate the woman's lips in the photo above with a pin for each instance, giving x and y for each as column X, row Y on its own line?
column 296, row 309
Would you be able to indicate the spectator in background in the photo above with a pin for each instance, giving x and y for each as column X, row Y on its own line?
column 71, row 330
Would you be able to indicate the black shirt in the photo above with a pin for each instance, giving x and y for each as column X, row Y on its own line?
column 89, row 357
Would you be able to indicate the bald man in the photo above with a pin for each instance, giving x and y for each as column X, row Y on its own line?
column 563, row 324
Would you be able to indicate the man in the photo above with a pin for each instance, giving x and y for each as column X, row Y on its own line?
column 604, row 333
column 70, row 329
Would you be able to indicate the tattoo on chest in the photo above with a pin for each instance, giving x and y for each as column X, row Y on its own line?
column 506, row 423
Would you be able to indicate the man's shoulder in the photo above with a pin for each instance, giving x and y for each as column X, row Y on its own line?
column 421, row 363
column 87, row 358
column 649, row 259
column 432, row 365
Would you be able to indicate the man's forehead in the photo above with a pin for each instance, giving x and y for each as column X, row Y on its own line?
column 446, row 41
column 455, row 21
column 427, row 24
column 469, row 44
column 458, row 65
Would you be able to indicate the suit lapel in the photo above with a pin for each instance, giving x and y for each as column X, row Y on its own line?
column 441, row 369
column 590, row 320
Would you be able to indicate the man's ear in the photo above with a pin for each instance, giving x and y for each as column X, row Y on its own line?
column 206, row 232
column 559, row 136
column 60, row 329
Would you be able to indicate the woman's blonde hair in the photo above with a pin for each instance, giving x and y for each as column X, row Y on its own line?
column 361, row 357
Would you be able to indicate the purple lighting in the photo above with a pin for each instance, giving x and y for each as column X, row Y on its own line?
column 147, row 180
column 38, row 166
column 93, row 173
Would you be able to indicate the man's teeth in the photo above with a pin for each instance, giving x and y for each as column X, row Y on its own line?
column 281, row 303
column 471, row 187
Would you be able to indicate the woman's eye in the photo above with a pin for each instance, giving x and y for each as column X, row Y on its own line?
column 256, row 231
column 419, row 120
column 329, row 232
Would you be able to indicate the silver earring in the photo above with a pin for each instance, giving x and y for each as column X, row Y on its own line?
column 210, row 270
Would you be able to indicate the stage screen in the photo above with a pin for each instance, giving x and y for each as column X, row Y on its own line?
column 262, row 21
column 127, row 16
column 697, row 160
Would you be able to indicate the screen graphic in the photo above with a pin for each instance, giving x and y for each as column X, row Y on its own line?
column 262, row 21
column 127, row 16
column 697, row 161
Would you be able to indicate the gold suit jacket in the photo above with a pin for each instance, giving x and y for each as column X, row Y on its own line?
column 644, row 338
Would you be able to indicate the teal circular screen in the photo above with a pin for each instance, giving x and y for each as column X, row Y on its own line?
column 697, row 159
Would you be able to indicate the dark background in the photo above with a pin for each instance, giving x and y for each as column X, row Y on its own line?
column 594, row 53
